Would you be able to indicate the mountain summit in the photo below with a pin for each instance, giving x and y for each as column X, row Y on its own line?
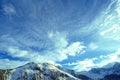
column 47, row 71
column 41, row 71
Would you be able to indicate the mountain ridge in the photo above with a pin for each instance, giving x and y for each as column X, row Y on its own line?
column 47, row 71
column 101, row 73
column 33, row 71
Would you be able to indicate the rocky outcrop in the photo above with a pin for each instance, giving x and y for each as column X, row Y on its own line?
column 46, row 71
column 33, row 71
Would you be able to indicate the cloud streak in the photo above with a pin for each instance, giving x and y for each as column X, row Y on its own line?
column 96, row 62
column 56, row 30
column 9, row 9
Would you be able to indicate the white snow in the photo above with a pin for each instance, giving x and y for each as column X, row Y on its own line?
column 38, row 71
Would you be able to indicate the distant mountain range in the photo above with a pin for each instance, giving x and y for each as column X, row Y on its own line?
column 46, row 71
column 108, row 72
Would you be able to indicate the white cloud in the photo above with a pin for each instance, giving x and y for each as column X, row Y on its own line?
column 87, row 64
column 112, row 33
column 58, row 50
column 112, row 29
column 8, row 64
column 57, row 47
column 63, row 48
column 107, row 29
column 114, row 57
column 50, row 34
column 16, row 52
column 74, row 48
column 92, row 46
column 110, row 58
column 60, row 54
column 59, row 39
column 110, row 26
column 84, row 65
column 9, row 9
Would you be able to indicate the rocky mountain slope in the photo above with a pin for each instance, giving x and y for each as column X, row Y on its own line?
column 33, row 71
column 46, row 71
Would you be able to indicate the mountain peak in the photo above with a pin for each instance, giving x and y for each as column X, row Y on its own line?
column 47, row 71
column 37, row 71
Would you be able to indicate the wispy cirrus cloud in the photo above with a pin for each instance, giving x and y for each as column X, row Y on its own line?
column 106, row 29
column 111, row 22
column 58, row 49
column 96, row 62
column 61, row 48
column 16, row 52
column 9, row 9
column 50, row 30
column 92, row 46
column 9, row 64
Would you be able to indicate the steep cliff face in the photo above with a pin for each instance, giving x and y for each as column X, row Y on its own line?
column 33, row 71
column 5, row 74
column 2, row 72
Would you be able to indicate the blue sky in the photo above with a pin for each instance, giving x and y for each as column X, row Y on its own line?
column 77, row 34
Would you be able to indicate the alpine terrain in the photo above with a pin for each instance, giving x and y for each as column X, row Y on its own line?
column 47, row 71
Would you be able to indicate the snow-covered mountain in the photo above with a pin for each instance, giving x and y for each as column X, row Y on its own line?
column 108, row 72
column 46, row 71
column 41, row 71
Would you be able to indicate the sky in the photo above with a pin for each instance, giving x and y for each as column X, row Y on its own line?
column 76, row 34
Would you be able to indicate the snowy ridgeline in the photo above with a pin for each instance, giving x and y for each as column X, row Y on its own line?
column 109, row 72
column 46, row 71
column 33, row 71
